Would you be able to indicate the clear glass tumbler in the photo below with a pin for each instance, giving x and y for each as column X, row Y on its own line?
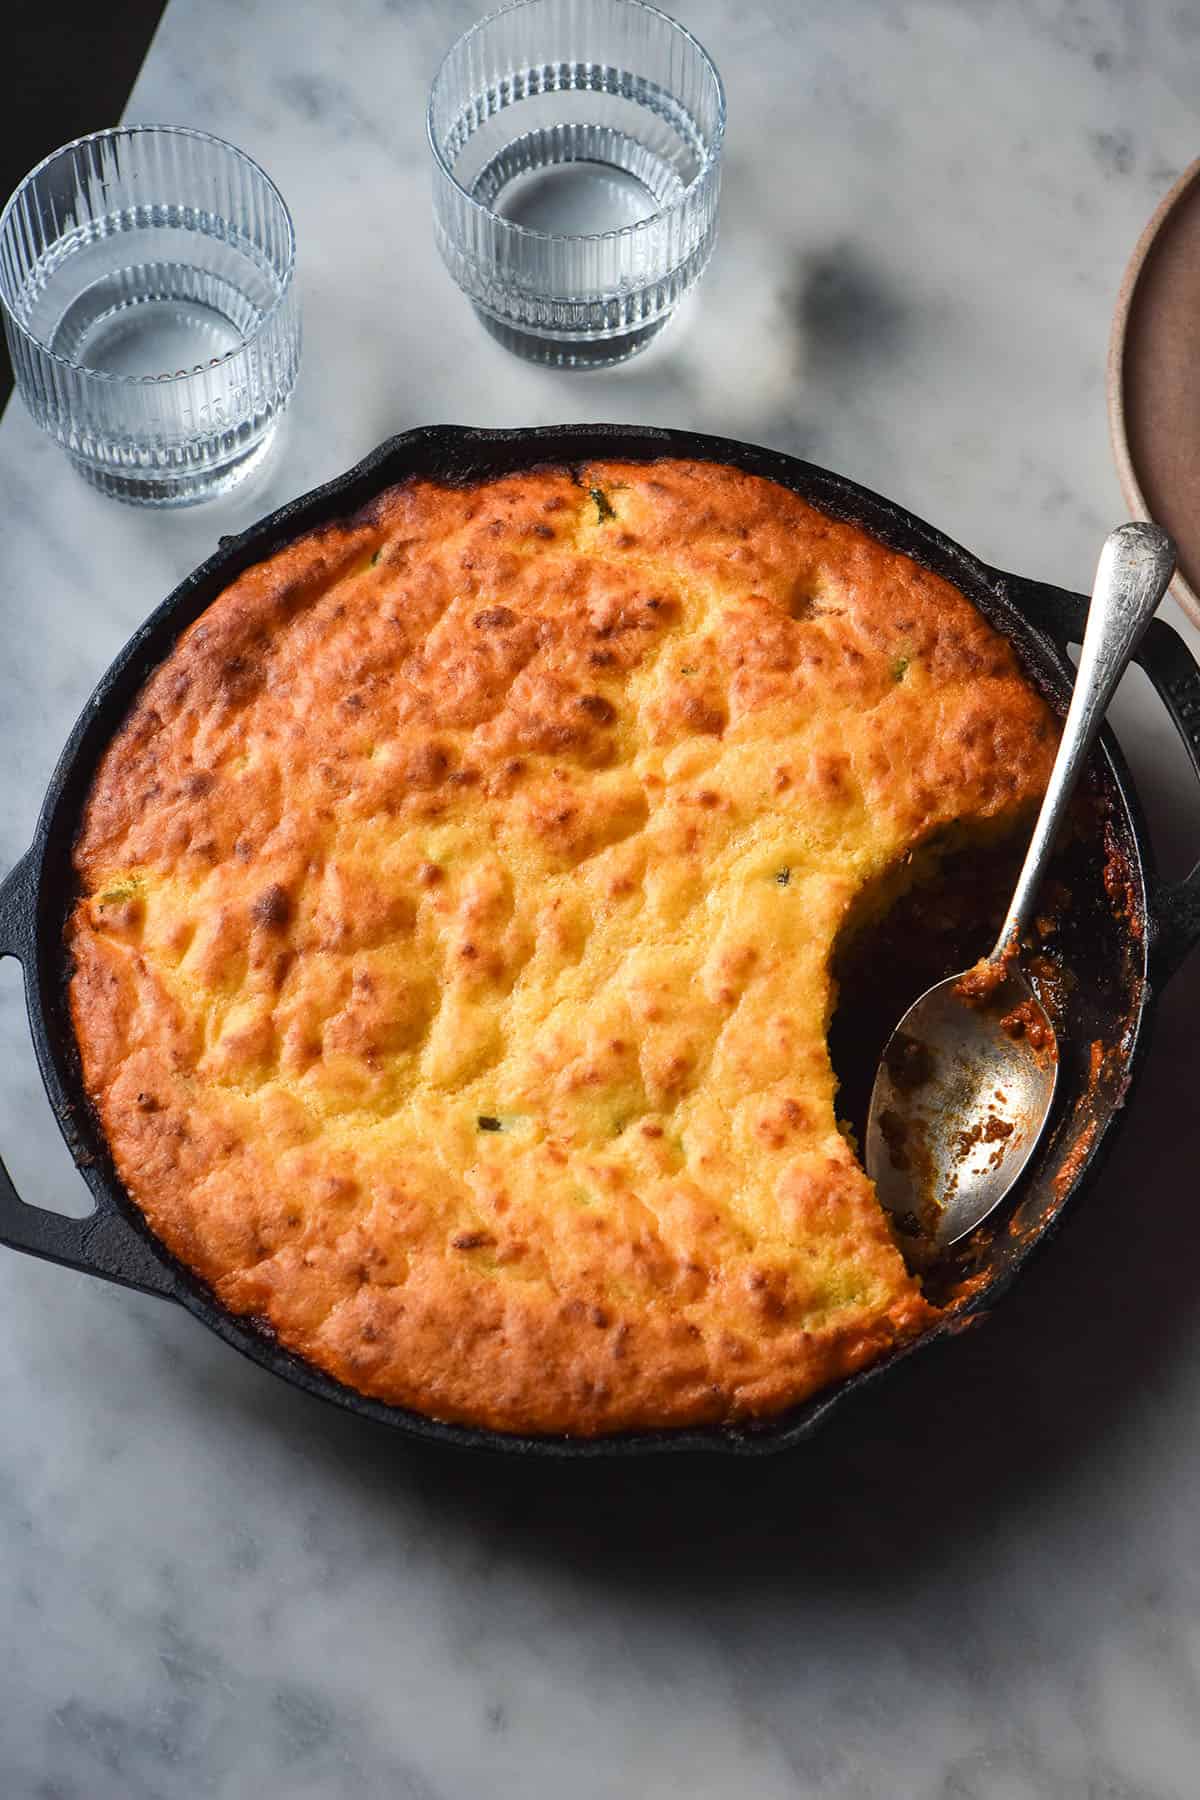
column 146, row 279
column 576, row 173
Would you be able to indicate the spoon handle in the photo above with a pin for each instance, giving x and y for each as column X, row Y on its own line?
column 1136, row 564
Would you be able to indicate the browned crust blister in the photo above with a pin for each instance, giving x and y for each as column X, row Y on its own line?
column 452, row 972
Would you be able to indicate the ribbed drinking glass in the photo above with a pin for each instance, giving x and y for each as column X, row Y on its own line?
column 576, row 173
column 146, row 279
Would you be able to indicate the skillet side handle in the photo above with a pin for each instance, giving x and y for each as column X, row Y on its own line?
column 1174, row 909
column 104, row 1243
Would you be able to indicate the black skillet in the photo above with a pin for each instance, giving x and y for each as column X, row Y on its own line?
column 1119, row 955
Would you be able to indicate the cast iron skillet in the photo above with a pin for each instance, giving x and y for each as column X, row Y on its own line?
column 1119, row 963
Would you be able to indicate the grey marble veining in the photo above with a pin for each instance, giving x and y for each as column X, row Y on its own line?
column 983, row 1583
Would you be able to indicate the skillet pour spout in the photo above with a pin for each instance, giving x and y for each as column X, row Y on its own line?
column 1120, row 958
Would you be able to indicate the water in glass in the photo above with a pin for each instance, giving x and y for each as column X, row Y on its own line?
column 146, row 280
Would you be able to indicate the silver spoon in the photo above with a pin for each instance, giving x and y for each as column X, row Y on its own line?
column 967, row 1079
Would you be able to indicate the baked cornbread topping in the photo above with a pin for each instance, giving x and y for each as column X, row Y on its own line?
column 451, row 971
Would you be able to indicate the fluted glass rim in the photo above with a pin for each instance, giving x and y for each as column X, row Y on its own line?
column 108, row 376
column 712, row 151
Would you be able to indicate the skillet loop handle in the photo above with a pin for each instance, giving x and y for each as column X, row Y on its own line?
column 1174, row 906
column 104, row 1243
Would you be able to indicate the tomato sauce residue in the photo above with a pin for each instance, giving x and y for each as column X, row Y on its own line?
column 1065, row 1180
column 979, row 984
column 987, row 1131
column 1027, row 1023
column 1119, row 884
column 992, row 1130
column 1095, row 1062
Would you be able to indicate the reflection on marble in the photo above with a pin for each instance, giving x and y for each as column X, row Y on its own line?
column 983, row 1583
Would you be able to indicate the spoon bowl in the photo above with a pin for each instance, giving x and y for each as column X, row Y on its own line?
column 959, row 1104
column 967, row 1080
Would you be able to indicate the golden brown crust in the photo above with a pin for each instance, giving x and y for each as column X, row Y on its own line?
column 452, row 972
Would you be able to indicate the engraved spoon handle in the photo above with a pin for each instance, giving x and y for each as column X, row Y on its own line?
column 1136, row 564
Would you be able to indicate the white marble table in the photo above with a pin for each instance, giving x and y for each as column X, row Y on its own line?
column 984, row 1581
